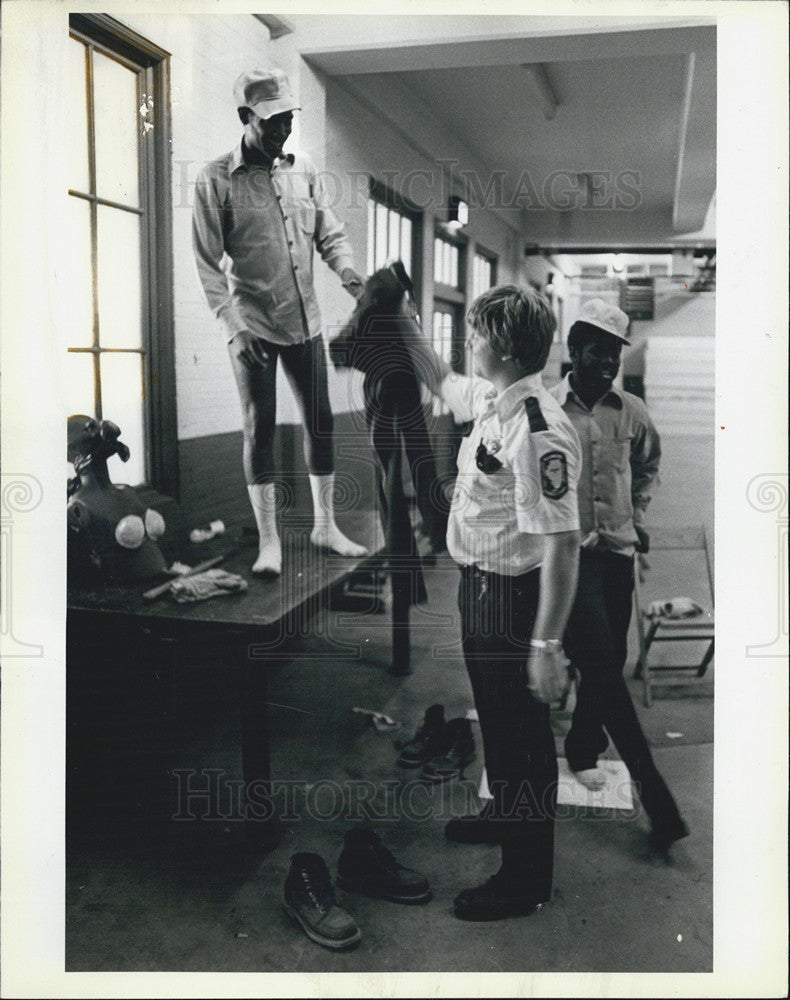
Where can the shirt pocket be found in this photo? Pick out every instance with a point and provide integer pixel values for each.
(617, 451)
(304, 215)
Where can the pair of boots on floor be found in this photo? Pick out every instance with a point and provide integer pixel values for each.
(325, 533)
(366, 867)
(442, 749)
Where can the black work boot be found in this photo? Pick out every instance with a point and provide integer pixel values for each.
(367, 867)
(496, 899)
(310, 899)
(427, 741)
(457, 752)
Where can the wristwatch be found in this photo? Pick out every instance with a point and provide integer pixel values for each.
(544, 643)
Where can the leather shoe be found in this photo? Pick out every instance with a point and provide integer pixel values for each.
(458, 751)
(491, 901)
(310, 899)
(367, 867)
(427, 741)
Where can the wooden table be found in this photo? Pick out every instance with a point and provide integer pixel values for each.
(112, 628)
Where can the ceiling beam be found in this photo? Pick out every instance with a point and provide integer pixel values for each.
(695, 174)
(537, 250)
(277, 25)
(541, 84)
(408, 55)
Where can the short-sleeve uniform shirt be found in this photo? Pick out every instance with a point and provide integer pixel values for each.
(518, 471)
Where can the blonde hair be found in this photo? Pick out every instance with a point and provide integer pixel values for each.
(515, 323)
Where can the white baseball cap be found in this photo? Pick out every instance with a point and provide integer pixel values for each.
(606, 317)
(266, 91)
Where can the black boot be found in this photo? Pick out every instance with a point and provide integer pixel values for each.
(496, 899)
(367, 867)
(310, 899)
(457, 752)
(427, 741)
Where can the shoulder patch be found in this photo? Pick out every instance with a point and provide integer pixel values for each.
(554, 474)
(537, 422)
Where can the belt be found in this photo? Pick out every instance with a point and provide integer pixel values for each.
(475, 572)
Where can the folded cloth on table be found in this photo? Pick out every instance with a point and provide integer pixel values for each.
(211, 583)
(677, 607)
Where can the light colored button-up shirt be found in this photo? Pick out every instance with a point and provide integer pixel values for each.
(621, 452)
(498, 518)
(253, 233)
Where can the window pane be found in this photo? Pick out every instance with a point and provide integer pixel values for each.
(454, 266)
(447, 337)
(78, 118)
(371, 236)
(80, 397)
(405, 243)
(75, 313)
(115, 108)
(393, 247)
(120, 287)
(381, 235)
(122, 402)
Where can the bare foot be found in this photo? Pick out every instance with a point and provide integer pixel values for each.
(593, 778)
(269, 561)
(334, 539)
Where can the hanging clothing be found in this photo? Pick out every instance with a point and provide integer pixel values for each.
(375, 341)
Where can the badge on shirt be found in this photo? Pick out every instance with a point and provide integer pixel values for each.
(554, 474)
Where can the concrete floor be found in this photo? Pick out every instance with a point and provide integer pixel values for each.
(192, 898)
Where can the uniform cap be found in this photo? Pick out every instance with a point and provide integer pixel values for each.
(606, 317)
(266, 91)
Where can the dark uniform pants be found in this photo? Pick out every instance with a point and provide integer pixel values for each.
(497, 615)
(596, 641)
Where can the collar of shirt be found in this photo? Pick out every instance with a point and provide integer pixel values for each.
(509, 400)
(239, 162)
(613, 397)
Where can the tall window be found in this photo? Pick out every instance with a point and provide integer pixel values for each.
(447, 330)
(446, 258)
(391, 230)
(117, 330)
(483, 273)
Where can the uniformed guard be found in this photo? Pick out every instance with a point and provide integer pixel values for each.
(621, 451)
(513, 530)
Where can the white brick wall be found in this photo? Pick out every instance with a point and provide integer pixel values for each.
(208, 53)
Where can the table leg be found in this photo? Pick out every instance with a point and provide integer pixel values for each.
(262, 828)
(401, 602)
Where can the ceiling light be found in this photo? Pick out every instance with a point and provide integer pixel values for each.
(457, 212)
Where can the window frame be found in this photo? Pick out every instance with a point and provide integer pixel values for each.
(491, 258)
(152, 64)
(455, 294)
(380, 194)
